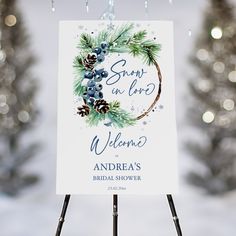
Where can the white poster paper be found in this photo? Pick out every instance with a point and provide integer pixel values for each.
(116, 108)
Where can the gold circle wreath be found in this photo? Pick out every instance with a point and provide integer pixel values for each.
(158, 93)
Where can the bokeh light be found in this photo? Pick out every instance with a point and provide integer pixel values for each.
(216, 33)
(208, 117)
(10, 20)
(232, 76)
(23, 116)
(219, 67)
(228, 104)
(202, 54)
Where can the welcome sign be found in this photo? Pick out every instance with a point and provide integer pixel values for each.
(116, 113)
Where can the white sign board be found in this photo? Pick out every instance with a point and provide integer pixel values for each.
(116, 108)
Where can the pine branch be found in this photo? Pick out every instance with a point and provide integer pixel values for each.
(121, 34)
(23, 111)
(139, 36)
(119, 117)
(147, 49)
(150, 51)
(78, 64)
(120, 41)
(120, 49)
(94, 117)
(102, 36)
(216, 157)
(136, 45)
(79, 89)
(135, 49)
(86, 42)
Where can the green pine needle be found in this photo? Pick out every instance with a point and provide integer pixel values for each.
(114, 105)
(150, 51)
(121, 34)
(102, 37)
(135, 49)
(94, 117)
(119, 117)
(86, 42)
(79, 89)
(147, 49)
(78, 64)
(140, 35)
(120, 40)
(120, 49)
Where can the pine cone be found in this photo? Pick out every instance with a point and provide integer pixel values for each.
(101, 106)
(83, 111)
(90, 60)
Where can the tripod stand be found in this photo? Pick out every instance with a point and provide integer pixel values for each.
(115, 215)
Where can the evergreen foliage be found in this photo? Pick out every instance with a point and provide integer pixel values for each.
(120, 40)
(79, 74)
(214, 59)
(86, 42)
(17, 109)
(119, 117)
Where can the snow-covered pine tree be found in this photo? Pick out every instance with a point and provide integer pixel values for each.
(17, 90)
(214, 97)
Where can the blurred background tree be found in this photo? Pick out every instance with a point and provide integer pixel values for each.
(17, 90)
(214, 91)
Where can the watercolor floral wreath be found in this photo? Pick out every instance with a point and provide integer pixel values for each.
(86, 85)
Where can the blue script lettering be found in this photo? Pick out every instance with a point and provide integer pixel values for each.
(117, 91)
(115, 77)
(147, 91)
(98, 148)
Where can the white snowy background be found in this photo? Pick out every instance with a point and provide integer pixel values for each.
(36, 211)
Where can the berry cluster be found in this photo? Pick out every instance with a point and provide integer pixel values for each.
(94, 88)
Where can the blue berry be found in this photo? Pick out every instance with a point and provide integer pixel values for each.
(97, 50)
(98, 72)
(104, 52)
(85, 96)
(91, 83)
(88, 75)
(100, 58)
(91, 91)
(98, 87)
(98, 78)
(91, 101)
(98, 95)
(104, 45)
(104, 74)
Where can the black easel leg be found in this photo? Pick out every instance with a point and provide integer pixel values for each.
(174, 214)
(115, 215)
(62, 217)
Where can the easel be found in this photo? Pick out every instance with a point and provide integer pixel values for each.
(115, 215)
